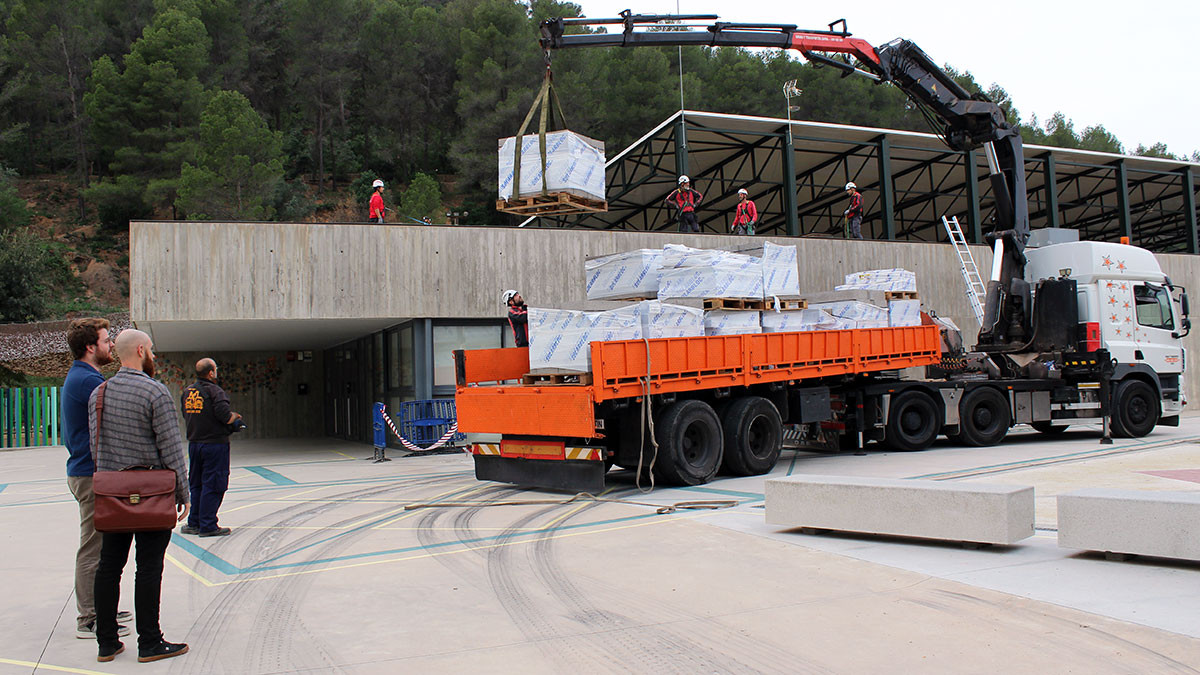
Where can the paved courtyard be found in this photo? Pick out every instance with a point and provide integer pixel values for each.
(328, 571)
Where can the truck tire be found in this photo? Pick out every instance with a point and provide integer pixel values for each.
(914, 420)
(1136, 409)
(753, 433)
(983, 417)
(1048, 428)
(689, 443)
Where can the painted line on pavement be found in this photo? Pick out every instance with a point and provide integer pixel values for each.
(273, 476)
(203, 555)
(369, 522)
(2, 486)
(434, 554)
(46, 666)
(1054, 459)
(189, 571)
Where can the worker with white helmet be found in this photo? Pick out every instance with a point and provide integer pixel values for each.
(685, 200)
(745, 215)
(377, 209)
(518, 316)
(854, 214)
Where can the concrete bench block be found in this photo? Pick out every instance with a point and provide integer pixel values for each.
(1164, 524)
(967, 512)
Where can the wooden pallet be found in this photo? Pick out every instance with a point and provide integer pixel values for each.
(551, 204)
(735, 303)
(786, 305)
(557, 379)
(900, 295)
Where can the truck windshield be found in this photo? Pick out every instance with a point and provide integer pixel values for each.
(1153, 306)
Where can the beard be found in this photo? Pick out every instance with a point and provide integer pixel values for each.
(148, 365)
(104, 359)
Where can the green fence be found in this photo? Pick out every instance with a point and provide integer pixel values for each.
(29, 416)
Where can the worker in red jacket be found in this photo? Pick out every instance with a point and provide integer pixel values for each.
(745, 215)
(854, 214)
(685, 200)
(376, 209)
(518, 317)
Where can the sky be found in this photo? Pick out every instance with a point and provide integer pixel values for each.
(1129, 66)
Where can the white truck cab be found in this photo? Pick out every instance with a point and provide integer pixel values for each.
(1126, 303)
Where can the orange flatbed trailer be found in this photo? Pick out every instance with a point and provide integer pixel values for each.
(539, 421)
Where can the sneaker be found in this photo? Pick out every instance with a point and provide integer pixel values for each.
(88, 632)
(219, 532)
(163, 650)
(107, 655)
(188, 529)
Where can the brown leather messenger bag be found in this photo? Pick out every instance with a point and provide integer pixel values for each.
(134, 499)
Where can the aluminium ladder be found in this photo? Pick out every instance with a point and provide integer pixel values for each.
(976, 291)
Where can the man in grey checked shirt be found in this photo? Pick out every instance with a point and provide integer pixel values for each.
(139, 427)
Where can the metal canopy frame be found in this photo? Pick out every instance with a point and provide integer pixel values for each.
(908, 180)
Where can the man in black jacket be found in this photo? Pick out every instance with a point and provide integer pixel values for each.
(518, 317)
(209, 419)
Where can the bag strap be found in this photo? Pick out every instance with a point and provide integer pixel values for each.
(99, 418)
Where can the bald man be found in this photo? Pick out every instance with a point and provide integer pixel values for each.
(208, 417)
(138, 428)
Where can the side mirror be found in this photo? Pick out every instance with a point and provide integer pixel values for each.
(1183, 304)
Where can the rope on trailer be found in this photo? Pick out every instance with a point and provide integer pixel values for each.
(416, 448)
(711, 504)
(647, 420)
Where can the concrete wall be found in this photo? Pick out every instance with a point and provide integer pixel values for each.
(262, 386)
(192, 271)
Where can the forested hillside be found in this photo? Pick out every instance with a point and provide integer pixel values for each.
(286, 109)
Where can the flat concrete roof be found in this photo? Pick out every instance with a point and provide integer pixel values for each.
(327, 570)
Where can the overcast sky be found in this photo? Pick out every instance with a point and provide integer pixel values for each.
(1129, 65)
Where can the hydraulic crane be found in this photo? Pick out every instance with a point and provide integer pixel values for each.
(963, 120)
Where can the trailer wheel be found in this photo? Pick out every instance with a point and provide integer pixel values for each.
(1048, 428)
(753, 434)
(913, 421)
(689, 443)
(1136, 410)
(984, 417)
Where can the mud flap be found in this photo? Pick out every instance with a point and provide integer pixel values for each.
(566, 475)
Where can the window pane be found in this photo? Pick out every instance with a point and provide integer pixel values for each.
(446, 339)
(377, 363)
(393, 359)
(400, 358)
(1153, 306)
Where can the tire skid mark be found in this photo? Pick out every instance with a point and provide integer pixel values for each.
(277, 628)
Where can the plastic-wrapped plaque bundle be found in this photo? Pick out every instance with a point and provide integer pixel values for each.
(690, 273)
(624, 275)
(804, 319)
(904, 313)
(732, 322)
(574, 164)
(881, 280)
(561, 339)
(859, 312)
(662, 320)
(780, 273)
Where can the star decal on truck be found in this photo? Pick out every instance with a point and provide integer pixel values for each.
(1106, 262)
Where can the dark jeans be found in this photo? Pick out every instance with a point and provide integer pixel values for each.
(688, 222)
(856, 227)
(147, 586)
(208, 476)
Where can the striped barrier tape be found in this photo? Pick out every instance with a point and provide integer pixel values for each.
(387, 417)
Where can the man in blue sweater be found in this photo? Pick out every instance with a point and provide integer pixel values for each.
(92, 348)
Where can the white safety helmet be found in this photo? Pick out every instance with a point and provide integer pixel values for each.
(506, 296)
(851, 186)
(684, 179)
(377, 183)
(743, 192)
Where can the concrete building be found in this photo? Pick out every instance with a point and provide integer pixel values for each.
(311, 323)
